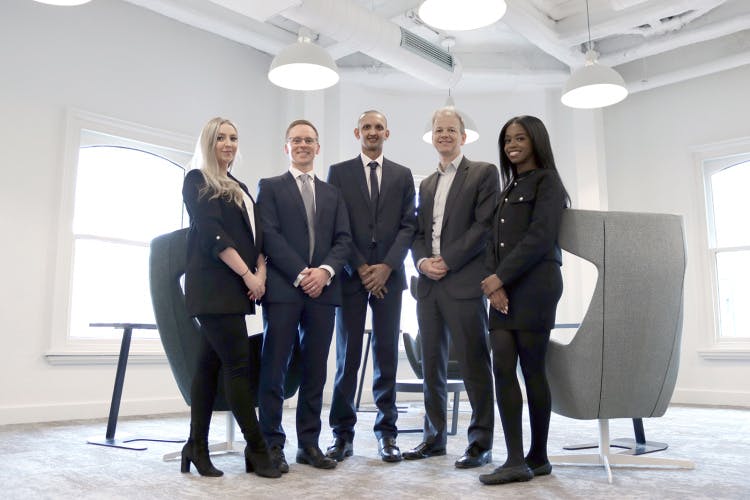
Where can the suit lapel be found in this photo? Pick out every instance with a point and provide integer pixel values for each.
(292, 191)
(386, 181)
(358, 176)
(427, 190)
(458, 181)
(245, 216)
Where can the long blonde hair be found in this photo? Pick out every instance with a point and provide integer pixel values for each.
(217, 185)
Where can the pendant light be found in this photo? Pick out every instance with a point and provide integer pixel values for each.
(303, 66)
(65, 3)
(452, 15)
(472, 135)
(593, 85)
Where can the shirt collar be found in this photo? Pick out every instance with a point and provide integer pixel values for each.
(296, 172)
(366, 159)
(452, 166)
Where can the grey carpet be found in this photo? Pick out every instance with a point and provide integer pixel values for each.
(53, 461)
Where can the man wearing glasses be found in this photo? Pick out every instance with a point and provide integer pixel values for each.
(306, 240)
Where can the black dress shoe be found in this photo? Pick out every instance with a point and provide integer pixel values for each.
(388, 450)
(340, 449)
(278, 458)
(474, 456)
(503, 475)
(424, 450)
(311, 455)
(540, 470)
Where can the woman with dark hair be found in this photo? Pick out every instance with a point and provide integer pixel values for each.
(224, 277)
(524, 290)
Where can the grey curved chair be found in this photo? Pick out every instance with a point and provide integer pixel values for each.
(180, 334)
(623, 360)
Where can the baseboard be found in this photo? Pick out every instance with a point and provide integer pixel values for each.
(22, 414)
(711, 397)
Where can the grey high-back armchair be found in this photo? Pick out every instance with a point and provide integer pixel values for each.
(623, 360)
(180, 334)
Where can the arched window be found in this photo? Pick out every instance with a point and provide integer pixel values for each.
(120, 185)
(728, 202)
(124, 197)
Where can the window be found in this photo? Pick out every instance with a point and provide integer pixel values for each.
(727, 205)
(409, 305)
(122, 187)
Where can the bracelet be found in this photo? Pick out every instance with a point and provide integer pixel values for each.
(243, 274)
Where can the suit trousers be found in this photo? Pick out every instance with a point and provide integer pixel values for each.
(350, 326)
(464, 321)
(313, 322)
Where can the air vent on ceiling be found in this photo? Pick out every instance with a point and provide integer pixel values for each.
(426, 49)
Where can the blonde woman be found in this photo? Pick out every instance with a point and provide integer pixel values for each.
(224, 277)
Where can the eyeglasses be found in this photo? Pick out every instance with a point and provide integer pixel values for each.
(299, 140)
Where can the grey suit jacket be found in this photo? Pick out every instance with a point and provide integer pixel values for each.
(395, 223)
(469, 207)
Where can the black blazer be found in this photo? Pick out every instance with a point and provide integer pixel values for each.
(286, 241)
(211, 287)
(469, 207)
(396, 220)
(527, 224)
(524, 252)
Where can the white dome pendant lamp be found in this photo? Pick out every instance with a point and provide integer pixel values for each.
(303, 66)
(593, 85)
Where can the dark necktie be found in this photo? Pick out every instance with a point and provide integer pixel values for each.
(374, 193)
(373, 182)
(309, 201)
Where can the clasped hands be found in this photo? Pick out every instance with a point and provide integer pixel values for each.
(256, 285)
(374, 277)
(313, 281)
(434, 268)
(492, 287)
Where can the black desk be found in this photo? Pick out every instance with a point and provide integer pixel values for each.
(114, 408)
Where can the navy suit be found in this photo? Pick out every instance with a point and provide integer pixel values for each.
(454, 305)
(287, 310)
(386, 238)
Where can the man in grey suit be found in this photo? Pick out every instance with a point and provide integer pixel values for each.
(456, 205)
(379, 197)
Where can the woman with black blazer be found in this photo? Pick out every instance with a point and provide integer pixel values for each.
(524, 290)
(224, 277)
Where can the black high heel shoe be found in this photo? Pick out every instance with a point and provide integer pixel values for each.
(259, 461)
(197, 453)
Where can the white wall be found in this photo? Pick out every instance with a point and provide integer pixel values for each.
(650, 139)
(114, 59)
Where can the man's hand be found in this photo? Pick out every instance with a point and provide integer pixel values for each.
(376, 277)
(490, 284)
(434, 268)
(315, 279)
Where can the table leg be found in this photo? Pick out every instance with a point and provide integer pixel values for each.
(114, 407)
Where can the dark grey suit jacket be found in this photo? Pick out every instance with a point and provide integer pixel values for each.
(286, 241)
(469, 207)
(396, 218)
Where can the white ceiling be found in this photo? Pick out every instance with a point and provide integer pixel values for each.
(537, 43)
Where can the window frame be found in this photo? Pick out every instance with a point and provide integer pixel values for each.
(708, 160)
(64, 349)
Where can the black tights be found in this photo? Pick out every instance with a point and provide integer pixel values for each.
(508, 346)
(224, 343)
